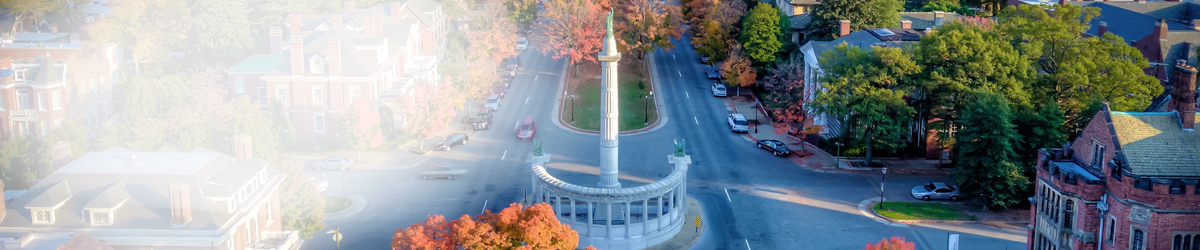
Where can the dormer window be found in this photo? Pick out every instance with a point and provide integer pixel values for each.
(101, 218)
(43, 216)
(20, 74)
(316, 65)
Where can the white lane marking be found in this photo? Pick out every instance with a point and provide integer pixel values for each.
(727, 195)
(516, 125)
(697, 120)
(673, 56)
(686, 94)
(535, 77)
(680, 73)
(747, 244)
(503, 155)
(526, 100)
(485, 209)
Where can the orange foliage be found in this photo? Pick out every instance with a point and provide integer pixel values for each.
(432, 234)
(515, 227)
(895, 243)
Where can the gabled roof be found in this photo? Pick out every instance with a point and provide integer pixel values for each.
(51, 196)
(894, 38)
(429, 12)
(1155, 145)
(924, 20)
(111, 197)
(1136, 21)
(800, 22)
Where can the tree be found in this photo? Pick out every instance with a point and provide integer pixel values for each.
(515, 227)
(24, 11)
(716, 33)
(986, 165)
(520, 11)
(862, 14)
(946, 6)
(301, 205)
(23, 159)
(863, 91)
(784, 83)
(73, 134)
(275, 12)
(282, 124)
(360, 129)
(250, 119)
(737, 70)
(492, 34)
(427, 111)
(573, 29)
(760, 33)
(645, 25)
(895, 243)
(220, 31)
(959, 59)
(1038, 127)
(201, 121)
(1074, 71)
(151, 29)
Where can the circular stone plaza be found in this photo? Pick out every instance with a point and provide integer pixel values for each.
(605, 214)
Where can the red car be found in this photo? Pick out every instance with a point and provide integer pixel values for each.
(499, 90)
(527, 129)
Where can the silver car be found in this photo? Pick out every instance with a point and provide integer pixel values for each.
(336, 162)
(442, 171)
(493, 102)
(522, 43)
(718, 90)
(935, 190)
(738, 123)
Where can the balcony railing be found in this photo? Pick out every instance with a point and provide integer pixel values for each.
(279, 240)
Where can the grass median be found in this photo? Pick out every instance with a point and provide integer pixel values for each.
(334, 204)
(922, 211)
(636, 111)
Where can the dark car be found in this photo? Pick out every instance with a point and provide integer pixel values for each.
(704, 59)
(453, 140)
(512, 63)
(483, 120)
(776, 147)
(713, 73)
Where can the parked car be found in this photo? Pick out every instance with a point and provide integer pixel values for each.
(512, 63)
(522, 43)
(483, 120)
(336, 162)
(935, 190)
(493, 102)
(776, 147)
(703, 59)
(442, 171)
(320, 183)
(718, 89)
(738, 123)
(500, 90)
(713, 73)
(452, 140)
(527, 129)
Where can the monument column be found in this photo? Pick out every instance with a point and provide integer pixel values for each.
(609, 110)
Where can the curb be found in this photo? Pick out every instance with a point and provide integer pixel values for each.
(802, 164)
(659, 122)
(360, 203)
(871, 210)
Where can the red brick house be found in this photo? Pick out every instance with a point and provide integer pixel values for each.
(48, 79)
(1129, 181)
(328, 61)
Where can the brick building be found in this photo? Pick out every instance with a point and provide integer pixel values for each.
(49, 79)
(1129, 181)
(328, 61)
(168, 199)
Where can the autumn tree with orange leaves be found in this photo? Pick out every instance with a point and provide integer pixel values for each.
(784, 83)
(573, 29)
(515, 227)
(895, 243)
(738, 70)
(645, 25)
(715, 31)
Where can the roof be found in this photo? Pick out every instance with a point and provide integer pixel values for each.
(428, 11)
(139, 192)
(924, 20)
(865, 39)
(1076, 170)
(1133, 21)
(258, 62)
(800, 21)
(799, 2)
(1154, 144)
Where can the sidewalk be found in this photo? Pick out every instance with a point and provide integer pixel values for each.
(815, 159)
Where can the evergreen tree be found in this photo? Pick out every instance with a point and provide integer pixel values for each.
(986, 165)
(301, 205)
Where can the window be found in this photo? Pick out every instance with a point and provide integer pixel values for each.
(1177, 187)
(354, 94)
(1186, 241)
(268, 208)
(281, 94)
(262, 95)
(82, 90)
(318, 95)
(104, 108)
(87, 114)
(101, 218)
(95, 90)
(20, 74)
(1137, 239)
(316, 65)
(239, 85)
(56, 99)
(1097, 154)
(319, 123)
(42, 105)
(1068, 213)
(42, 217)
(102, 86)
(1108, 233)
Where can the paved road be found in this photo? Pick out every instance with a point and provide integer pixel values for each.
(751, 200)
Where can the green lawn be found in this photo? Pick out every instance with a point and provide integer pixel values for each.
(333, 204)
(632, 103)
(921, 211)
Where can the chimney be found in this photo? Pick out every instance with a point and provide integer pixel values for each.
(395, 9)
(1102, 29)
(181, 203)
(293, 24)
(54, 30)
(906, 24)
(1160, 29)
(334, 62)
(276, 40)
(1183, 94)
(296, 49)
(938, 18)
(348, 6)
(243, 147)
(843, 28)
(335, 21)
(1196, 24)
(369, 25)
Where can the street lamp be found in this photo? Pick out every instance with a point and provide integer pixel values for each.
(646, 110)
(839, 151)
(881, 184)
(756, 122)
(572, 108)
(337, 237)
